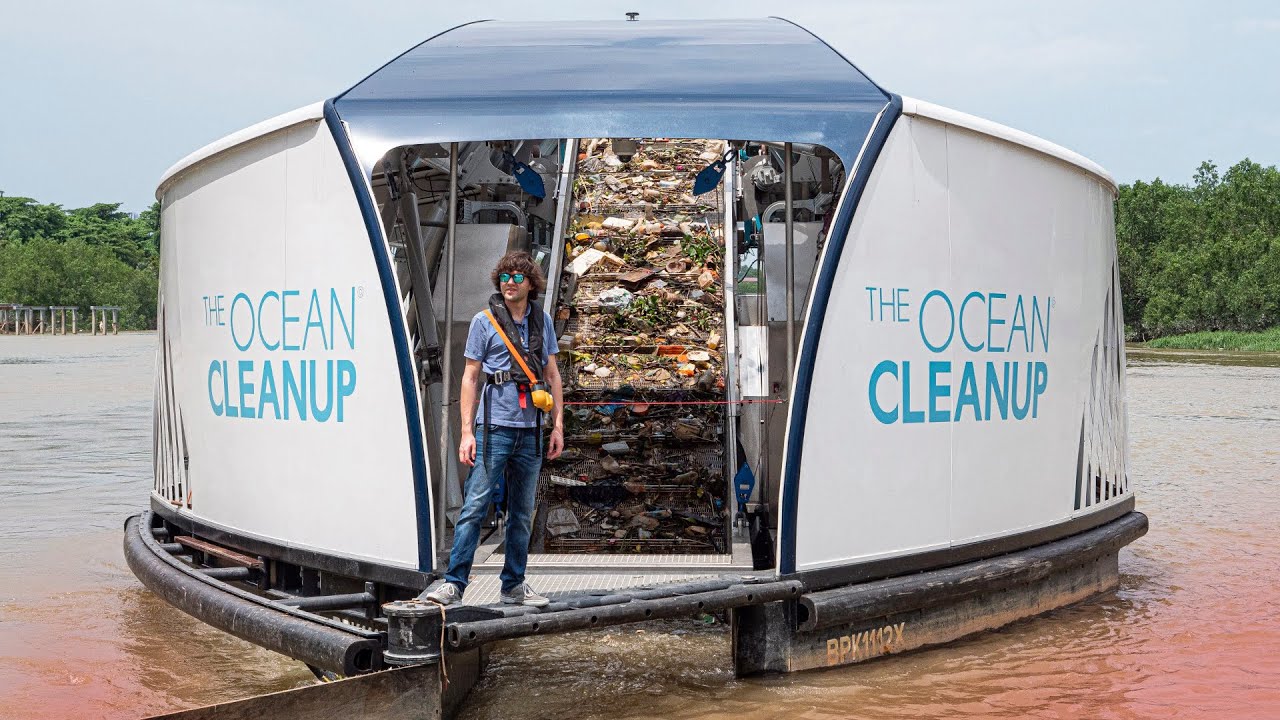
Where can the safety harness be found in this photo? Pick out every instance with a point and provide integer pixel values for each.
(527, 374)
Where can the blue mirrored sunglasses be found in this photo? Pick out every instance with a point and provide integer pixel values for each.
(508, 277)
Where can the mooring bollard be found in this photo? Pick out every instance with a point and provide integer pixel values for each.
(413, 632)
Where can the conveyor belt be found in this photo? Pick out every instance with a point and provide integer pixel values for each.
(648, 325)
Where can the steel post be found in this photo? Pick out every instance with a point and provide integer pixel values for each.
(791, 267)
(446, 387)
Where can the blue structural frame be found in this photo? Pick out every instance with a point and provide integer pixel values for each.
(766, 79)
(404, 355)
(813, 332)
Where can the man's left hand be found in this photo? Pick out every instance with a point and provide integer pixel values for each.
(556, 446)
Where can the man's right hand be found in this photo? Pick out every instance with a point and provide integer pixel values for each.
(467, 449)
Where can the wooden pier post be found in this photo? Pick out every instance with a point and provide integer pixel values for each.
(18, 319)
(58, 317)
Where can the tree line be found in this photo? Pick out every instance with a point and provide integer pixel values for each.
(1196, 257)
(96, 255)
(1204, 256)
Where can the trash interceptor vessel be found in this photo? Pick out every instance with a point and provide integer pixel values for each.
(846, 365)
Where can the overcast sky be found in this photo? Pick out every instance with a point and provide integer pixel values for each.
(99, 98)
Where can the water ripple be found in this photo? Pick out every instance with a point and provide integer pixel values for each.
(1192, 630)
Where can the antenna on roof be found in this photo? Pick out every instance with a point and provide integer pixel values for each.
(633, 16)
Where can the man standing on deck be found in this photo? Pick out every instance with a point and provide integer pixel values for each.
(507, 441)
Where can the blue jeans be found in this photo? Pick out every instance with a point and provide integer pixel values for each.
(513, 452)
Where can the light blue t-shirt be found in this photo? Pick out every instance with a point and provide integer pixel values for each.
(484, 344)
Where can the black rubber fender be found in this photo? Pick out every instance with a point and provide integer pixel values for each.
(246, 616)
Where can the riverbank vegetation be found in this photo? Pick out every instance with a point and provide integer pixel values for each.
(1261, 341)
(1201, 258)
(95, 255)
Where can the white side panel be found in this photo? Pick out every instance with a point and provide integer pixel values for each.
(266, 269)
(869, 489)
(970, 259)
(314, 111)
(1025, 227)
(987, 128)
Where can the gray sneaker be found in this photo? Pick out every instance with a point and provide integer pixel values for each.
(446, 594)
(524, 595)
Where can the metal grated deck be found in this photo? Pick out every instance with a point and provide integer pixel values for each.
(619, 561)
(485, 587)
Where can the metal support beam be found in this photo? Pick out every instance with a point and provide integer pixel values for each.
(564, 195)
(791, 267)
(318, 603)
(728, 343)
(446, 389)
(227, 573)
(464, 636)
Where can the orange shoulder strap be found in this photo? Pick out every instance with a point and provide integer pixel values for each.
(519, 358)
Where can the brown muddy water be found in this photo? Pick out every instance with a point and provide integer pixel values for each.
(1193, 630)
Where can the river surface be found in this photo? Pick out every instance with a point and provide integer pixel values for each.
(1193, 630)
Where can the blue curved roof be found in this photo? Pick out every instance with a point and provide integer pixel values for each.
(765, 79)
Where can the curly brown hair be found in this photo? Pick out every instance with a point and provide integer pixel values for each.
(520, 262)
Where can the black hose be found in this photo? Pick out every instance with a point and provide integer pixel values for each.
(467, 635)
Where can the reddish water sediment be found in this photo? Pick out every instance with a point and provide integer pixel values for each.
(1192, 631)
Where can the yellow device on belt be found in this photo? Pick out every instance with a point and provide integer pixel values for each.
(541, 398)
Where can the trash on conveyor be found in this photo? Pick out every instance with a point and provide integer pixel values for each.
(642, 306)
(561, 521)
(615, 299)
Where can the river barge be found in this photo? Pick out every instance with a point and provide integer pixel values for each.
(845, 365)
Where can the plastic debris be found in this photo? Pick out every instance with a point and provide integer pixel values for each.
(583, 262)
(634, 279)
(642, 303)
(646, 522)
(562, 521)
(614, 223)
(615, 299)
